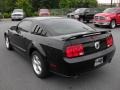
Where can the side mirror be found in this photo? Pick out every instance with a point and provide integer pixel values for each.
(13, 28)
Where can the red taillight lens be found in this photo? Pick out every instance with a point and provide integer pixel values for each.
(74, 51)
(109, 41)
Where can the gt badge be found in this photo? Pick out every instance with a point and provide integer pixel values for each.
(97, 45)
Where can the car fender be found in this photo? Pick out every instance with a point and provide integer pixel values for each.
(36, 46)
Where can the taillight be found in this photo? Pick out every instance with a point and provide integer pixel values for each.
(109, 41)
(74, 51)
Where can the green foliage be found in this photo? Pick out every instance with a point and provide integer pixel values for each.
(6, 15)
(6, 5)
(31, 7)
(25, 5)
(77, 3)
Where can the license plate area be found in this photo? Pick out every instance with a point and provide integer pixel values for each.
(98, 61)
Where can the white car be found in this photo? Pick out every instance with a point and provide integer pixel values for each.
(17, 14)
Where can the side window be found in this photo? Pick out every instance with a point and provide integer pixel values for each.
(25, 26)
(91, 10)
(87, 11)
(41, 30)
(118, 11)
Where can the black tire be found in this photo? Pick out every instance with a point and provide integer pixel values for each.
(12, 19)
(112, 24)
(7, 43)
(96, 25)
(88, 21)
(40, 66)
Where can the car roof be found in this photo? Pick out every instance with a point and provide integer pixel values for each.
(42, 18)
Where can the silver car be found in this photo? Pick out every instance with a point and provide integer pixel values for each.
(17, 14)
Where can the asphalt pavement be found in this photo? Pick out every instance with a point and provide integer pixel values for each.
(16, 72)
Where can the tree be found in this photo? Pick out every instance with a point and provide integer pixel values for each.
(45, 4)
(25, 5)
(77, 3)
(7, 5)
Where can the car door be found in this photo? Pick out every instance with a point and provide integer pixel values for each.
(25, 29)
(87, 14)
(21, 35)
(13, 35)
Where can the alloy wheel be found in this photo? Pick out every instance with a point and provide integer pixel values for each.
(36, 64)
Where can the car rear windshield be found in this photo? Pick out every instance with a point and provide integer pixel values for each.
(66, 26)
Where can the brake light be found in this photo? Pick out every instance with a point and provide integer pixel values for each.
(74, 51)
(109, 41)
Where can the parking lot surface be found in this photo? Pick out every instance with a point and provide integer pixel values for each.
(16, 72)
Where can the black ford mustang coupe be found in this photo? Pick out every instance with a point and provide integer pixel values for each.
(60, 45)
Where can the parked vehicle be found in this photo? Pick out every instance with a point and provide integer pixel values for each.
(110, 17)
(17, 14)
(64, 46)
(83, 14)
(44, 12)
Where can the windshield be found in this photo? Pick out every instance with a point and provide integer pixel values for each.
(18, 10)
(110, 10)
(80, 10)
(66, 26)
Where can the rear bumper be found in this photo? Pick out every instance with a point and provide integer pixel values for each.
(82, 64)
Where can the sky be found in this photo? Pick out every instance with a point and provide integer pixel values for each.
(107, 1)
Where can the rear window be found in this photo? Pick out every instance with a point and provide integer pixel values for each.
(111, 10)
(44, 10)
(65, 26)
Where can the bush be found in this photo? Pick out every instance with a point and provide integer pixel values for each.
(34, 14)
(6, 15)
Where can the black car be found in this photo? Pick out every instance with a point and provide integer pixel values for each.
(60, 45)
(83, 14)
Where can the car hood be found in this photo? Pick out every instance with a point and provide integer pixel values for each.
(105, 14)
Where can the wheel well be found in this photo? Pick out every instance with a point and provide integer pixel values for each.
(32, 50)
(113, 19)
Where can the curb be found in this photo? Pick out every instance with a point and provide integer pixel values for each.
(8, 19)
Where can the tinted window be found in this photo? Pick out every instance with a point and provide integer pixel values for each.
(26, 26)
(66, 26)
(80, 10)
(39, 30)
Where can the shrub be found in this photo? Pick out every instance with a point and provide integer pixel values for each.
(6, 15)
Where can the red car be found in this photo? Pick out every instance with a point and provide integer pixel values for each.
(44, 12)
(110, 17)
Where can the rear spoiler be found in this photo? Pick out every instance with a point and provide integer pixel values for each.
(86, 35)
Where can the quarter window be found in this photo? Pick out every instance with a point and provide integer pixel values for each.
(25, 26)
(40, 30)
